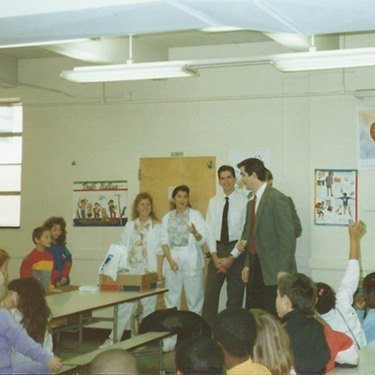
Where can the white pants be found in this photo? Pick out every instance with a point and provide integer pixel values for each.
(193, 287)
(126, 310)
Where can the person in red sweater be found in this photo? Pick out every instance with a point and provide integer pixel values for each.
(39, 263)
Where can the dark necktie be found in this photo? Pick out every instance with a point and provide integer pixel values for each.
(224, 235)
(252, 226)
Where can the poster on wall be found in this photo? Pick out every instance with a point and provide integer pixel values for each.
(335, 196)
(100, 203)
(366, 138)
(236, 157)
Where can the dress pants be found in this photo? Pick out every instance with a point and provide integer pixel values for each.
(215, 280)
(259, 295)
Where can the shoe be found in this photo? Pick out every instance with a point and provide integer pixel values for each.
(106, 344)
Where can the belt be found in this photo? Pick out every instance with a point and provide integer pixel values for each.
(226, 243)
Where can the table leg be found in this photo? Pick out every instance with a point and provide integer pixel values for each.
(80, 331)
(115, 314)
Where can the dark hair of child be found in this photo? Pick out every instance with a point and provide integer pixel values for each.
(326, 298)
(300, 290)
(54, 220)
(368, 287)
(38, 232)
(33, 307)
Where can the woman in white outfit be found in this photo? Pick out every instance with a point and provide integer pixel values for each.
(182, 237)
(141, 236)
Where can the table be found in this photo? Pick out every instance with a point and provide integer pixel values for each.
(77, 303)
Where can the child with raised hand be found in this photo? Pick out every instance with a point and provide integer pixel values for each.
(28, 306)
(13, 335)
(336, 308)
(39, 262)
(61, 255)
(367, 312)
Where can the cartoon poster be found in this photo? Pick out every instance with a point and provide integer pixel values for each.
(366, 138)
(335, 196)
(99, 203)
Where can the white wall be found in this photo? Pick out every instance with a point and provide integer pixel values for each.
(307, 120)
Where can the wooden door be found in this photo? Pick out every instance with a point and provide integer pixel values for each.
(158, 176)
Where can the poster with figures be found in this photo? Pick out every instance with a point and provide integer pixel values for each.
(99, 203)
(335, 196)
(366, 137)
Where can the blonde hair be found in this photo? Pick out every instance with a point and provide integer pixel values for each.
(272, 345)
(138, 198)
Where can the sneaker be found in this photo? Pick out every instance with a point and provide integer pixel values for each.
(106, 344)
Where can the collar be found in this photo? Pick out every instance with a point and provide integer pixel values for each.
(260, 191)
(230, 196)
(297, 313)
(138, 222)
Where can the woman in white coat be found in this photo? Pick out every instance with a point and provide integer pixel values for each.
(183, 235)
(142, 236)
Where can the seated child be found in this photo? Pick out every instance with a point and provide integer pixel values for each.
(235, 330)
(367, 312)
(272, 344)
(39, 263)
(336, 308)
(28, 306)
(296, 296)
(61, 255)
(199, 355)
(4, 259)
(13, 335)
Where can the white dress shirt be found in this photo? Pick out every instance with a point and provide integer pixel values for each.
(259, 194)
(236, 217)
(343, 318)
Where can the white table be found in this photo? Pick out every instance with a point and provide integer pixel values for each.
(366, 363)
(77, 303)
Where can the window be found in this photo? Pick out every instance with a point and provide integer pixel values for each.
(10, 164)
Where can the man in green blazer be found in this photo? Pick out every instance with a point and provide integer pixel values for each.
(270, 237)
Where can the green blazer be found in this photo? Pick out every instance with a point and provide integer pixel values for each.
(274, 235)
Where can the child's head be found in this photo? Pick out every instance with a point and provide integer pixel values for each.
(295, 291)
(272, 345)
(57, 226)
(42, 236)
(28, 296)
(368, 287)
(235, 330)
(326, 298)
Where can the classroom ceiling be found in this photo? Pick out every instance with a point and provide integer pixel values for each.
(158, 25)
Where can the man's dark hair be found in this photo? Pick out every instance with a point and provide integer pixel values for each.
(226, 168)
(38, 232)
(300, 290)
(326, 298)
(269, 175)
(199, 355)
(254, 165)
(235, 329)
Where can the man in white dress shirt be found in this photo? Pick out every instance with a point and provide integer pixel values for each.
(225, 219)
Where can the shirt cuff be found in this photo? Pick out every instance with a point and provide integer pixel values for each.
(236, 253)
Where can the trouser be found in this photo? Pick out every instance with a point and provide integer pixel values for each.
(126, 310)
(193, 288)
(259, 295)
(215, 280)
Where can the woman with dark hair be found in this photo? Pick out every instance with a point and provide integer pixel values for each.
(141, 237)
(28, 306)
(184, 234)
(61, 255)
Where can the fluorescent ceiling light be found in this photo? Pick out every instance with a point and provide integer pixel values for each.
(129, 72)
(349, 58)
(221, 29)
(44, 43)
